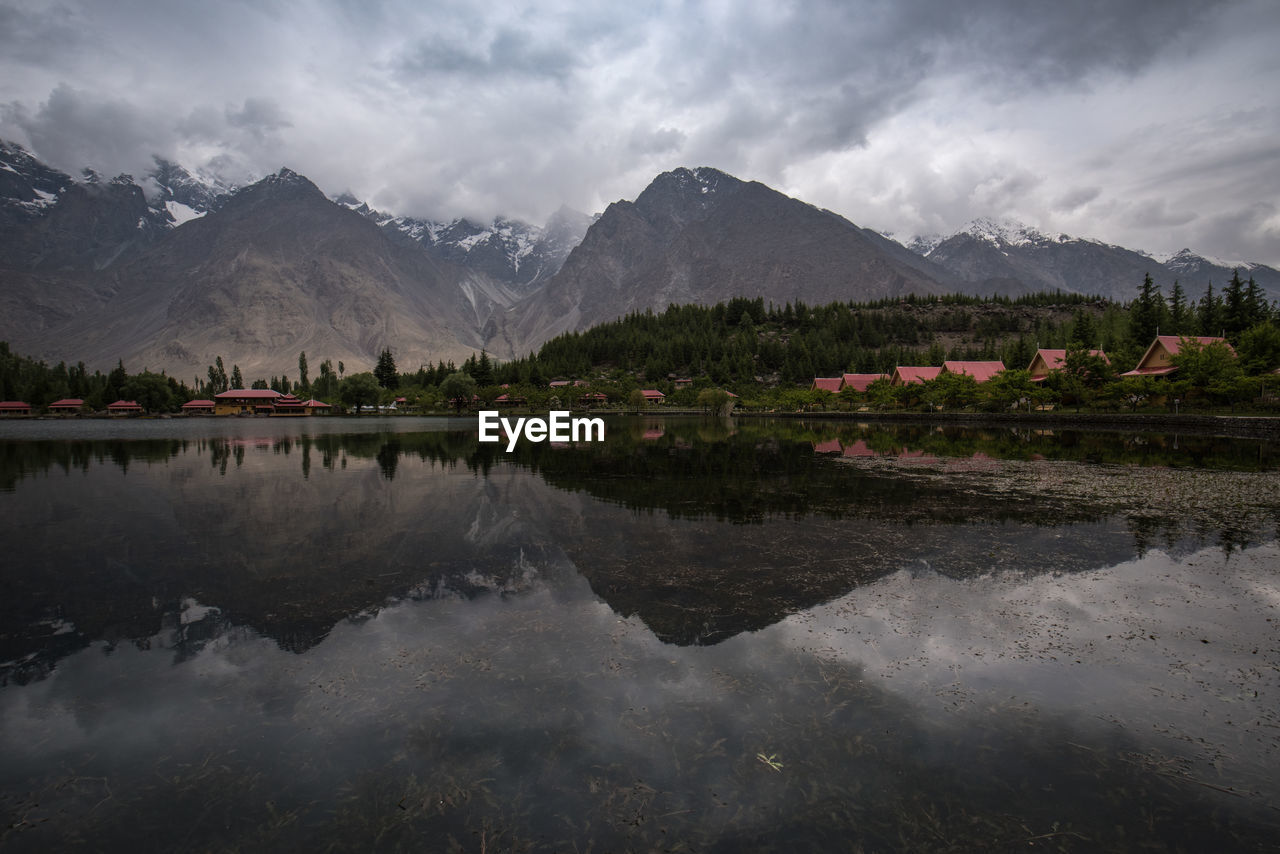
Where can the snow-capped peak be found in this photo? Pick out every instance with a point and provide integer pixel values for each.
(1009, 232)
(923, 244)
(1185, 259)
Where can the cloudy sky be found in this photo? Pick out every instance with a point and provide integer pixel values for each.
(1151, 124)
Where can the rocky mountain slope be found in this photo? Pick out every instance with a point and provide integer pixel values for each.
(1013, 258)
(97, 270)
(172, 270)
(278, 269)
(701, 236)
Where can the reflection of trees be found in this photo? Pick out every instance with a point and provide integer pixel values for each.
(19, 460)
(808, 525)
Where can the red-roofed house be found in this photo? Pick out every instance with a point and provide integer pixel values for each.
(831, 384)
(860, 382)
(652, 395)
(316, 407)
(980, 371)
(1158, 360)
(124, 407)
(288, 405)
(66, 406)
(593, 399)
(14, 408)
(905, 375)
(241, 401)
(198, 407)
(508, 400)
(1046, 361)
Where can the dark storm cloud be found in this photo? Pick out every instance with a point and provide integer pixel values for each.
(1077, 198)
(1155, 213)
(508, 52)
(917, 114)
(1247, 232)
(258, 116)
(1058, 43)
(74, 129)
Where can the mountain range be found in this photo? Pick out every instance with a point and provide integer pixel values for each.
(172, 270)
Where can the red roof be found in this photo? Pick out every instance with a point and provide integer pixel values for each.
(316, 404)
(860, 382)
(1053, 359)
(68, 403)
(980, 371)
(249, 394)
(124, 404)
(14, 405)
(652, 394)
(831, 384)
(1173, 343)
(198, 404)
(910, 374)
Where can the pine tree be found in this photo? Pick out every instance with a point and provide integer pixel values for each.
(1146, 313)
(1209, 312)
(1180, 319)
(1235, 311)
(302, 369)
(1084, 334)
(1255, 304)
(237, 379)
(483, 372)
(385, 372)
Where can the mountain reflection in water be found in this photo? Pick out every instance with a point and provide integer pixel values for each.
(358, 638)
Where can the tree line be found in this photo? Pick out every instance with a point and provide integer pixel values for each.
(758, 349)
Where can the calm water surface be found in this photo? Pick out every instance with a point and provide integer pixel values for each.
(697, 636)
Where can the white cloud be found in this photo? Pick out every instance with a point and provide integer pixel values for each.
(908, 116)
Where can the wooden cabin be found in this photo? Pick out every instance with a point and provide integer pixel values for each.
(1158, 360)
(1046, 362)
(980, 371)
(831, 384)
(67, 406)
(906, 374)
(124, 407)
(860, 382)
(246, 401)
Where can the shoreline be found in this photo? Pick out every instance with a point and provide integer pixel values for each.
(1232, 426)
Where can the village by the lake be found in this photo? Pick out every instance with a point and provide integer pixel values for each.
(946, 606)
(658, 428)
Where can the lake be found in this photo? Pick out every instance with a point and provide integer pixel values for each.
(697, 635)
